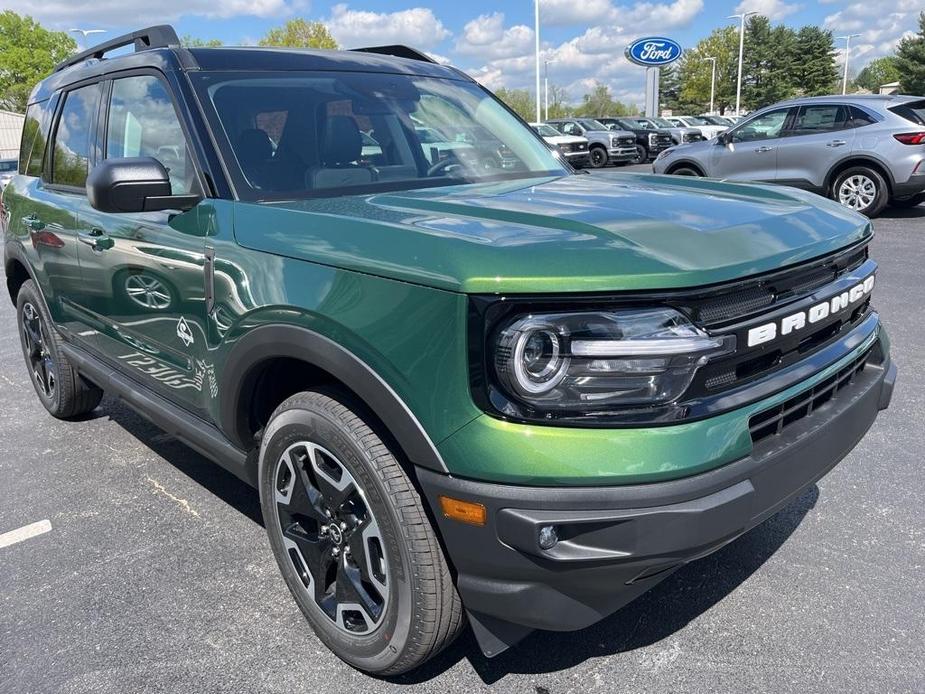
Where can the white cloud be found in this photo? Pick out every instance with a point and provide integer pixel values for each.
(108, 13)
(880, 31)
(418, 27)
(564, 12)
(772, 9)
(486, 37)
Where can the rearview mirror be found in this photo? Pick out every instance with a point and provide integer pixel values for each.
(134, 184)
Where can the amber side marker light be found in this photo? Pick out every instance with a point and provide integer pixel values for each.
(463, 511)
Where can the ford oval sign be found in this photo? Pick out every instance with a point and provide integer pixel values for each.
(653, 51)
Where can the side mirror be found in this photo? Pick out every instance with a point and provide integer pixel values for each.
(134, 184)
(723, 138)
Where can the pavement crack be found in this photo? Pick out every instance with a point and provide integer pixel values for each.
(183, 503)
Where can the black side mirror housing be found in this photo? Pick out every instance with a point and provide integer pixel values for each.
(134, 184)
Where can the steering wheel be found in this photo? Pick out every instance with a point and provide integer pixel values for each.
(443, 165)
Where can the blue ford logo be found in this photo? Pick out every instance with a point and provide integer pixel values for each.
(653, 51)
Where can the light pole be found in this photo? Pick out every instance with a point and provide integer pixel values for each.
(536, 36)
(546, 88)
(742, 17)
(844, 83)
(712, 82)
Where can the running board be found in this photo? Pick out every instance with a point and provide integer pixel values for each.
(199, 435)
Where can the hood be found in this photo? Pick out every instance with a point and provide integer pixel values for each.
(577, 233)
(565, 139)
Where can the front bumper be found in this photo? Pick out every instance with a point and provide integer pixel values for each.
(577, 158)
(621, 153)
(617, 542)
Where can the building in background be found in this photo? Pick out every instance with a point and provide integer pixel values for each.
(10, 134)
(889, 88)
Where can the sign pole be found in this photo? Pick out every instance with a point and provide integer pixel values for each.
(652, 80)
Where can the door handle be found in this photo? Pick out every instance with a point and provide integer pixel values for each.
(97, 239)
(836, 143)
(764, 148)
(33, 223)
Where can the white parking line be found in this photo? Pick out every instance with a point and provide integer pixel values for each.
(24, 533)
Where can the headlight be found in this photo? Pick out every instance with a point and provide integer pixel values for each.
(653, 139)
(664, 153)
(601, 361)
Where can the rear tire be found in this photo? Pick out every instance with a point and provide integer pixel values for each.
(861, 189)
(60, 388)
(352, 539)
(598, 157)
(908, 202)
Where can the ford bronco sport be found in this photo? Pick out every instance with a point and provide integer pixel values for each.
(468, 383)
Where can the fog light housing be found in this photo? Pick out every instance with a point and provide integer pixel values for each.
(548, 537)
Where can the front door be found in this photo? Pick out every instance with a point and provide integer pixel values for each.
(143, 293)
(750, 154)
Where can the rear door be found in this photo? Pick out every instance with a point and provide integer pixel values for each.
(815, 139)
(46, 216)
(143, 290)
(751, 152)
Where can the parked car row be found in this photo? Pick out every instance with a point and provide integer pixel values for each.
(865, 152)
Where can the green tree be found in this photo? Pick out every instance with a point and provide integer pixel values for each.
(767, 69)
(558, 102)
(520, 101)
(298, 33)
(600, 102)
(695, 72)
(814, 70)
(188, 41)
(669, 88)
(28, 53)
(910, 61)
(878, 72)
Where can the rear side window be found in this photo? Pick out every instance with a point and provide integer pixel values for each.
(912, 111)
(71, 154)
(859, 118)
(35, 136)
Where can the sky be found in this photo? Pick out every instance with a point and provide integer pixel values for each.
(493, 40)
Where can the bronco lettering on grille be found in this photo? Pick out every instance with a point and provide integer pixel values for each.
(797, 321)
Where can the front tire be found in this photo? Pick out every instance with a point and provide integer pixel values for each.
(352, 539)
(642, 155)
(686, 171)
(60, 388)
(861, 189)
(598, 157)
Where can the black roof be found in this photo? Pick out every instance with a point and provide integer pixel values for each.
(166, 56)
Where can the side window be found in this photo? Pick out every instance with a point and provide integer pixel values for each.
(143, 123)
(35, 136)
(815, 120)
(571, 129)
(763, 127)
(73, 134)
(858, 118)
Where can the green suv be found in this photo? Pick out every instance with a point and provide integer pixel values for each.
(469, 383)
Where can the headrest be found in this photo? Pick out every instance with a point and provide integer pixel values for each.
(254, 146)
(342, 143)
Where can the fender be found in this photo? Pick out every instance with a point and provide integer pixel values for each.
(270, 341)
(859, 159)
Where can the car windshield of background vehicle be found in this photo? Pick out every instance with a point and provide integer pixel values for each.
(913, 111)
(694, 120)
(546, 130)
(323, 134)
(661, 123)
(591, 124)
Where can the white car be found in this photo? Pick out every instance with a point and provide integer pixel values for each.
(572, 147)
(709, 131)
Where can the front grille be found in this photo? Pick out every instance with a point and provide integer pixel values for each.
(773, 421)
(626, 141)
(663, 139)
(694, 137)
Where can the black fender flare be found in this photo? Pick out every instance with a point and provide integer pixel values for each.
(281, 340)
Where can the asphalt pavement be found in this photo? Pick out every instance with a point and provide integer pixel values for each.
(149, 570)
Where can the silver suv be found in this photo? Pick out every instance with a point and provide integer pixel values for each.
(863, 151)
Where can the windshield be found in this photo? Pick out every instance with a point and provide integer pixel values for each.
(694, 120)
(322, 134)
(546, 130)
(715, 120)
(591, 124)
(662, 123)
(645, 124)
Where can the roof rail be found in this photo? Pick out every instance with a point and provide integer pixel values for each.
(160, 36)
(398, 51)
